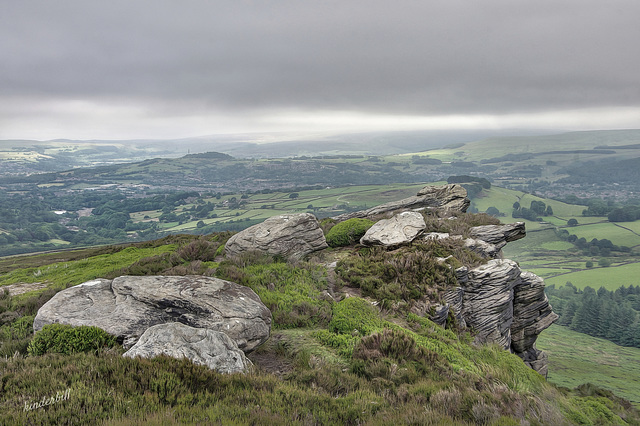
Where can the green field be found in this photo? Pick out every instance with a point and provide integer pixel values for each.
(575, 358)
(610, 278)
(503, 199)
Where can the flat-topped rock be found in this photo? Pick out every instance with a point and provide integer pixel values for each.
(127, 306)
(447, 197)
(401, 229)
(291, 236)
(202, 346)
(499, 235)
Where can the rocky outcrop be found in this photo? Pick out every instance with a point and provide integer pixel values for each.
(484, 249)
(499, 235)
(532, 314)
(505, 305)
(487, 300)
(127, 306)
(447, 197)
(401, 229)
(291, 236)
(202, 346)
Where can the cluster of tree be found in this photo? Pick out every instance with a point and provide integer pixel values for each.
(611, 315)
(595, 247)
(615, 212)
(534, 212)
(493, 211)
(624, 214)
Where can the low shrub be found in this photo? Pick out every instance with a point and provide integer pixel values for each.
(406, 274)
(355, 316)
(65, 339)
(348, 232)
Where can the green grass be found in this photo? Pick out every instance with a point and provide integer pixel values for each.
(503, 199)
(597, 361)
(610, 278)
(62, 274)
(616, 234)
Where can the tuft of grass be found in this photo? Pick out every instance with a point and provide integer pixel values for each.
(348, 232)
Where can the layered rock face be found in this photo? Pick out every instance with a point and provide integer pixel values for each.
(505, 305)
(532, 313)
(291, 236)
(202, 346)
(499, 235)
(447, 197)
(487, 300)
(127, 306)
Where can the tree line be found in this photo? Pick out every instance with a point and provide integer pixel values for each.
(611, 315)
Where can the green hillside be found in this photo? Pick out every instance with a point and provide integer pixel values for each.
(597, 361)
(314, 369)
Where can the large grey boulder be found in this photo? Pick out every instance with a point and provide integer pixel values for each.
(127, 306)
(200, 345)
(499, 235)
(290, 236)
(532, 314)
(401, 229)
(447, 197)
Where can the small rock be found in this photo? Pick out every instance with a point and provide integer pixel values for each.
(401, 229)
(202, 346)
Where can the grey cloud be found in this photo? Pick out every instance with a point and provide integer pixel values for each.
(389, 57)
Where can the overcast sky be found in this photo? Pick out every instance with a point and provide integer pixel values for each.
(160, 69)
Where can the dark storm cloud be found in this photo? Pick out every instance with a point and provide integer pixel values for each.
(382, 57)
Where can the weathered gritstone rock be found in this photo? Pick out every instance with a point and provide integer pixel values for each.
(127, 306)
(439, 314)
(400, 229)
(499, 235)
(450, 197)
(482, 248)
(437, 236)
(291, 236)
(453, 297)
(446, 197)
(532, 314)
(200, 345)
(487, 300)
